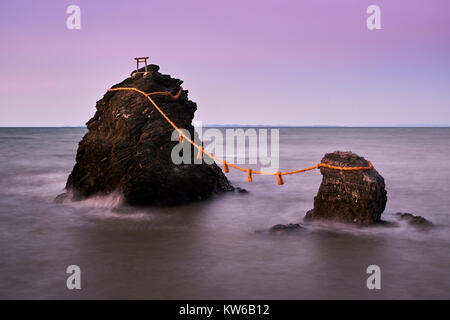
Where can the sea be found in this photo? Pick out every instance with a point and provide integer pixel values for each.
(214, 249)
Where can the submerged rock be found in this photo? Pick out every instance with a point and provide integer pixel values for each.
(413, 220)
(349, 196)
(128, 147)
(240, 190)
(61, 198)
(386, 224)
(282, 228)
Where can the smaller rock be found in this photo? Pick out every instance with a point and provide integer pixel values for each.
(414, 220)
(240, 190)
(286, 227)
(309, 215)
(357, 197)
(61, 198)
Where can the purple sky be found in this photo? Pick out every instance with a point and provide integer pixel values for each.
(273, 62)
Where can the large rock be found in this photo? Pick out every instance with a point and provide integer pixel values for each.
(128, 148)
(349, 196)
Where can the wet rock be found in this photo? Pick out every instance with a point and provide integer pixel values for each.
(128, 148)
(61, 198)
(413, 220)
(240, 190)
(386, 224)
(309, 215)
(285, 228)
(349, 196)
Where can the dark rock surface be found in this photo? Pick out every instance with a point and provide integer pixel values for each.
(282, 228)
(413, 220)
(240, 190)
(61, 198)
(128, 148)
(349, 196)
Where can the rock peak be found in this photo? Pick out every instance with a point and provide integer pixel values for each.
(152, 68)
(344, 159)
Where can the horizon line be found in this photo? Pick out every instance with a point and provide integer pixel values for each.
(273, 126)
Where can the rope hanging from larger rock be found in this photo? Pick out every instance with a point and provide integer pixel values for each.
(202, 151)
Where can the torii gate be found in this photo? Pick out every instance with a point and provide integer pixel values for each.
(138, 61)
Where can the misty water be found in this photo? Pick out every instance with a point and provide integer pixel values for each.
(209, 249)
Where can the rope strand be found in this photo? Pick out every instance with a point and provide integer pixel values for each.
(226, 165)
